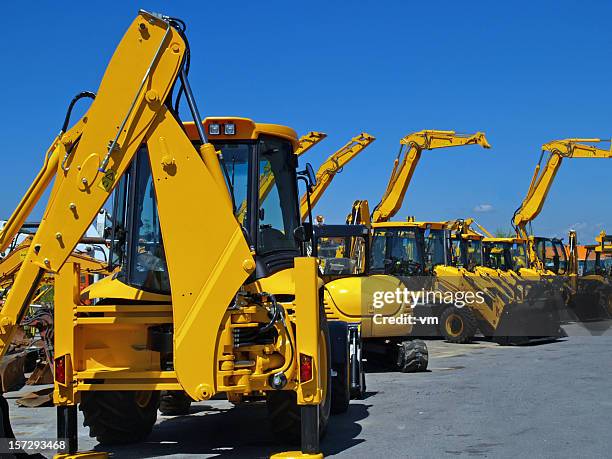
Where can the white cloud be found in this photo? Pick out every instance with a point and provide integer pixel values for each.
(578, 226)
(483, 208)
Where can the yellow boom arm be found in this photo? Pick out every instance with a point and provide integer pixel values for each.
(332, 166)
(543, 177)
(129, 113)
(11, 264)
(360, 213)
(412, 146)
(308, 141)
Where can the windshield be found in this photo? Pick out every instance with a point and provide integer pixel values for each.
(435, 249)
(467, 253)
(341, 255)
(552, 253)
(518, 253)
(278, 210)
(136, 230)
(236, 161)
(396, 251)
(496, 255)
(137, 239)
(505, 255)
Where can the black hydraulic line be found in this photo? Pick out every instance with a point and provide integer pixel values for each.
(79, 96)
(193, 108)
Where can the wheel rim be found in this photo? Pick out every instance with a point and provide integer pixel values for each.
(454, 325)
(142, 398)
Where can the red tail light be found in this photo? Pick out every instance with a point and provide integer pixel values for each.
(305, 368)
(60, 369)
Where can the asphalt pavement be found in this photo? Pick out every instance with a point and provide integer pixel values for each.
(476, 400)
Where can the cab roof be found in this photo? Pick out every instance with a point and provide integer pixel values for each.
(410, 224)
(245, 129)
(510, 240)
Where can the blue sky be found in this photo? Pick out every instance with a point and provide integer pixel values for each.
(523, 72)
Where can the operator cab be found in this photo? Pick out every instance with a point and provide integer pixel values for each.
(466, 251)
(259, 166)
(552, 253)
(397, 250)
(505, 254)
(342, 250)
(598, 258)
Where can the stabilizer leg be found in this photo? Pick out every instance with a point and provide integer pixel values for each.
(67, 427)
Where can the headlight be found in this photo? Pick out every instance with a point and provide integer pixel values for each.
(229, 129)
(214, 129)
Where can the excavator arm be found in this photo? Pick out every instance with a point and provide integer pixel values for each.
(89, 167)
(543, 178)
(308, 141)
(54, 157)
(11, 264)
(360, 213)
(128, 113)
(411, 147)
(332, 166)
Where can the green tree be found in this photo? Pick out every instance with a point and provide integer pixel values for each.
(501, 232)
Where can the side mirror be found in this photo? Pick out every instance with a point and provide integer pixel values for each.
(303, 233)
(300, 234)
(309, 174)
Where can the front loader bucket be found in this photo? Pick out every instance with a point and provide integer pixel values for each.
(529, 321)
(591, 302)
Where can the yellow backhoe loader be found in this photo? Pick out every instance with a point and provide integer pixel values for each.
(590, 279)
(202, 302)
(520, 306)
(546, 253)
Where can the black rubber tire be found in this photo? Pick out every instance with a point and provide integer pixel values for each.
(284, 414)
(359, 393)
(119, 417)
(174, 403)
(341, 390)
(341, 386)
(412, 356)
(458, 325)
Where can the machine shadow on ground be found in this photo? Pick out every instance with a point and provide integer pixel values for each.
(234, 432)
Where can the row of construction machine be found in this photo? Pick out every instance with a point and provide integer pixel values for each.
(549, 253)
(442, 257)
(521, 306)
(582, 300)
(372, 259)
(240, 313)
(535, 269)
